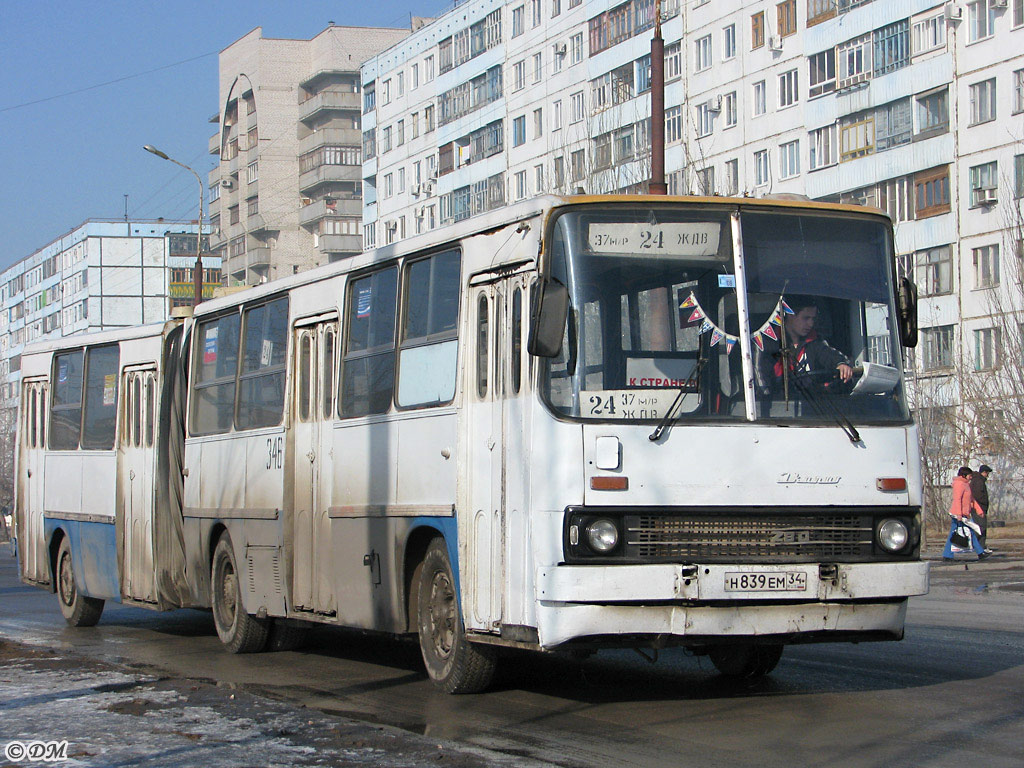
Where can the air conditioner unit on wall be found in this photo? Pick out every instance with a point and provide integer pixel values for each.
(715, 104)
(560, 49)
(775, 42)
(985, 195)
(227, 183)
(999, 3)
(953, 12)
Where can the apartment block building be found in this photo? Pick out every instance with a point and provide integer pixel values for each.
(916, 107)
(286, 194)
(98, 276)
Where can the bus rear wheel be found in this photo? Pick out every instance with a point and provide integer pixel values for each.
(78, 610)
(745, 660)
(453, 663)
(240, 632)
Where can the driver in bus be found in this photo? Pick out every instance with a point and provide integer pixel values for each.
(806, 353)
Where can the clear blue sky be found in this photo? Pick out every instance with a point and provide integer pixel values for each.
(77, 151)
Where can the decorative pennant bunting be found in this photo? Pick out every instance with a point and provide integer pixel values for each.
(717, 334)
(770, 332)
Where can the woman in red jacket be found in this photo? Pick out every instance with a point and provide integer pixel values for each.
(960, 511)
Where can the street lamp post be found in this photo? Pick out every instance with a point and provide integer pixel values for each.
(197, 270)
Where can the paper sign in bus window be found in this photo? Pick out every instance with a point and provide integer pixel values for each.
(363, 301)
(672, 240)
(660, 373)
(210, 346)
(109, 388)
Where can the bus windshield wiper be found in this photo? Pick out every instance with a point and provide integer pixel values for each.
(820, 405)
(671, 414)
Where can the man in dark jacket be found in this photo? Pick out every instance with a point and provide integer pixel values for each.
(979, 489)
(806, 351)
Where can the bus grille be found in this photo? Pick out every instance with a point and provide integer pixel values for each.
(754, 538)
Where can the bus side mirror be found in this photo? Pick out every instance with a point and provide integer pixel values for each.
(907, 301)
(547, 318)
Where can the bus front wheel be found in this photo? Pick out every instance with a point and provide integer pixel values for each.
(78, 610)
(453, 663)
(240, 632)
(745, 660)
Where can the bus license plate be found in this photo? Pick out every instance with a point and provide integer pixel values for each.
(776, 581)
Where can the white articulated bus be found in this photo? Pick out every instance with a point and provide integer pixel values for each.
(574, 423)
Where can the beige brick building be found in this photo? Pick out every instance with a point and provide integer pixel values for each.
(286, 195)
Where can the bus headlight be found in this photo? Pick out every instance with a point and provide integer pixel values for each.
(602, 536)
(893, 535)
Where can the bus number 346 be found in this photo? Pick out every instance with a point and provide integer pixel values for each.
(275, 452)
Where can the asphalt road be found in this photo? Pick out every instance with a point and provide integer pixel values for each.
(948, 695)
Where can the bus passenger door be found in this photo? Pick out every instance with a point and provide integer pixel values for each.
(136, 469)
(29, 515)
(483, 583)
(313, 413)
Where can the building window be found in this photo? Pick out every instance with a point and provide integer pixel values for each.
(984, 183)
(822, 68)
(521, 190)
(933, 112)
(519, 131)
(400, 133)
(556, 8)
(1018, 176)
(894, 125)
(854, 59)
(929, 34)
(577, 108)
(937, 347)
(1018, 90)
(538, 67)
(252, 206)
(559, 172)
(556, 115)
(705, 178)
(823, 148)
(819, 11)
(761, 169)
(578, 164)
(576, 44)
(428, 69)
(518, 21)
(760, 98)
(983, 101)
(1018, 13)
(538, 123)
(856, 136)
(931, 192)
(252, 172)
(981, 19)
(987, 342)
(986, 265)
(643, 74)
(935, 271)
(538, 179)
(789, 92)
(534, 13)
(673, 124)
(757, 30)
(789, 159)
(732, 177)
(730, 109)
(705, 120)
(428, 118)
(519, 75)
(385, 139)
(673, 61)
(786, 13)
(729, 42)
(892, 47)
(702, 54)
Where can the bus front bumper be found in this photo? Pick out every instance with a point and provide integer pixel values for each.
(792, 602)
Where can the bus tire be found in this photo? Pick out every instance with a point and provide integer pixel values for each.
(286, 636)
(453, 663)
(78, 610)
(240, 632)
(745, 660)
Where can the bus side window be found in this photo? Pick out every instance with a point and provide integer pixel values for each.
(100, 420)
(33, 436)
(136, 410)
(262, 377)
(42, 419)
(216, 363)
(327, 371)
(429, 339)
(482, 361)
(66, 403)
(305, 361)
(368, 363)
(150, 408)
(517, 339)
(126, 416)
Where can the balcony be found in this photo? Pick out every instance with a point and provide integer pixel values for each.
(258, 257)
(339, 136)
(330, 100)
(325, 174)
(312, 213)
(215, 144)
(341, 243)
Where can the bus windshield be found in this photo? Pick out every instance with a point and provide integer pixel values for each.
(654, 316)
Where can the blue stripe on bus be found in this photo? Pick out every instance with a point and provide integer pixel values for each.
(448, 528)
(93, 556)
